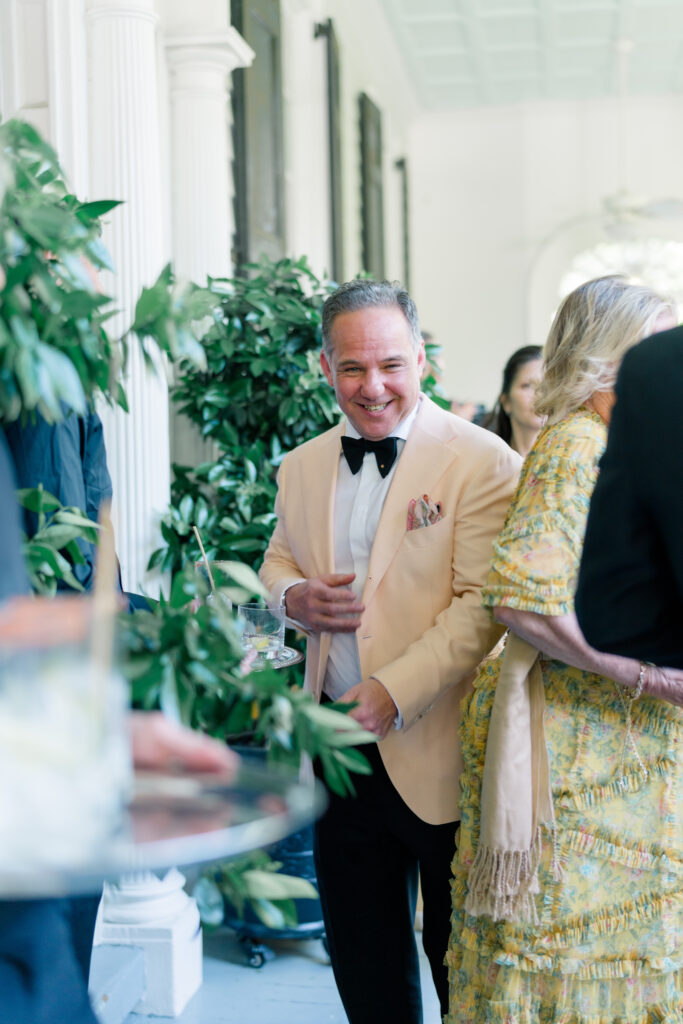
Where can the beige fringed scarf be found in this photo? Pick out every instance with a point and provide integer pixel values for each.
(515, 796)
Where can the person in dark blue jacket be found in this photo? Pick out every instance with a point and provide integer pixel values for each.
(70, 461)
(45, 944)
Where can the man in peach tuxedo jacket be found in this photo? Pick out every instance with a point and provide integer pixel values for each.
(384, 536)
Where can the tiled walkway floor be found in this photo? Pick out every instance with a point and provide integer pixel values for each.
(295, 987)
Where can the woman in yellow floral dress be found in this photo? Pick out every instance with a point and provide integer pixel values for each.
(596, 936)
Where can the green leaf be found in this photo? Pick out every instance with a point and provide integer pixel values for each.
(271, 915)
(57, 536)
(186, 508)
(244, 577)
(210, 902)
(98, 208)
(272, 885)
(151, 304)
(60, 370)
(35, 499)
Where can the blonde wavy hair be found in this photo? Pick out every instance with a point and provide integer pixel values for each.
(593, 329)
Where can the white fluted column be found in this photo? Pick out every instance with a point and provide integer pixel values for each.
(126, 164)
(201, 152)
(67, 47)
(203, 224)
(125, 150)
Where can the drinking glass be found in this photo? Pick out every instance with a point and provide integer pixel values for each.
(64, 756)
(264, 631)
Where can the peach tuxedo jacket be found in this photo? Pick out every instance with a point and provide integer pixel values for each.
(423, 631)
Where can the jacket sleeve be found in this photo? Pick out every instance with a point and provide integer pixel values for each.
(629, 599)
(280, 570)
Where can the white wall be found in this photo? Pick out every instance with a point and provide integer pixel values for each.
(490, 190)
(24, 62)
(370, 63)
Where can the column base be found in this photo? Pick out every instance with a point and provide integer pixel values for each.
(157, 916)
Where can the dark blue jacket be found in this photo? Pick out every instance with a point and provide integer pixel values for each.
(69, 459)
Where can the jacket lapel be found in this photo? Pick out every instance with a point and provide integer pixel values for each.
(318, 501)
(423, 462)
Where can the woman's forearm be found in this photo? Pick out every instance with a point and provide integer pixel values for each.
(560, 636)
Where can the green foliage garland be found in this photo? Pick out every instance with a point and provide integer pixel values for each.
(54, 351)
(185, 656)
(53, 550)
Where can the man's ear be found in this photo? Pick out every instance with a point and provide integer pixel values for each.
(327, 369)
(421, 358)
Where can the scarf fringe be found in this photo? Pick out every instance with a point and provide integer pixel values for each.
(501, 883)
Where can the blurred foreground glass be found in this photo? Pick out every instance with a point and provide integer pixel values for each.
(64, 756)
(264, 631)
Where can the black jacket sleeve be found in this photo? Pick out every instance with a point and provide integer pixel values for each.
(629, 599)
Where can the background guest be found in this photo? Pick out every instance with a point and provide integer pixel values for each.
(45, 944)
(563, 908)
(513, 417)
(68, 459)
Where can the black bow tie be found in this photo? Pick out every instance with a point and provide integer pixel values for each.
(356, 447)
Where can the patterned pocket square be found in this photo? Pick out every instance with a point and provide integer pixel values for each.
(423, 511)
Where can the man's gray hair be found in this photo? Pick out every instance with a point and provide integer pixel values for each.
(366, 294)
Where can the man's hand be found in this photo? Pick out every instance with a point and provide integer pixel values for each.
(159, 744)
(324, 604)
(376, 710)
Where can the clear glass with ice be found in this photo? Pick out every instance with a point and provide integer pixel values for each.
(263, 631)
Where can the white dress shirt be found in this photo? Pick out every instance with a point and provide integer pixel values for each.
(358, 505)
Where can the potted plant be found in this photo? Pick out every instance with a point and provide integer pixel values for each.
(260, 393)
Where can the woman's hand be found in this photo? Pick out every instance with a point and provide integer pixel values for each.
(664, 684)
(159, 744)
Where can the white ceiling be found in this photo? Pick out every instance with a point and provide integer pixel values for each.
(466, 53)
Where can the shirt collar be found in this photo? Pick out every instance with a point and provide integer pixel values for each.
(402, 430)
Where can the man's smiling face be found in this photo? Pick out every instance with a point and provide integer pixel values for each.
(374, 369)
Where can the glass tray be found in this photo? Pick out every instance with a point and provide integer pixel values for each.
(180, 820)
(286, 656)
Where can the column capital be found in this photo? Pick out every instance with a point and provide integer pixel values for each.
(222, 50)
(143, 9)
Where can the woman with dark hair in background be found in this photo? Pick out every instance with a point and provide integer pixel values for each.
(513, 417)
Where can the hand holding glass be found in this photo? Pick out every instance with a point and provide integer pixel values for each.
(264, 631)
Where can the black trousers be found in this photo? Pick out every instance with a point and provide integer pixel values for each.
(369, 851)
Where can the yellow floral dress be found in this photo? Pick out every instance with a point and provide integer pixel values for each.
(607, 948)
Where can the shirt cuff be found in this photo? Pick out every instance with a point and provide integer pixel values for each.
(294, 622)
(398, 718)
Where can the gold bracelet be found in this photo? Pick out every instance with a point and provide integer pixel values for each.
(640, 685)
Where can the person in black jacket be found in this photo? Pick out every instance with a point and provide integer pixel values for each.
(629, 599)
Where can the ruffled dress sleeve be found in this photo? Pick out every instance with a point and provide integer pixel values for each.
(536, 556)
